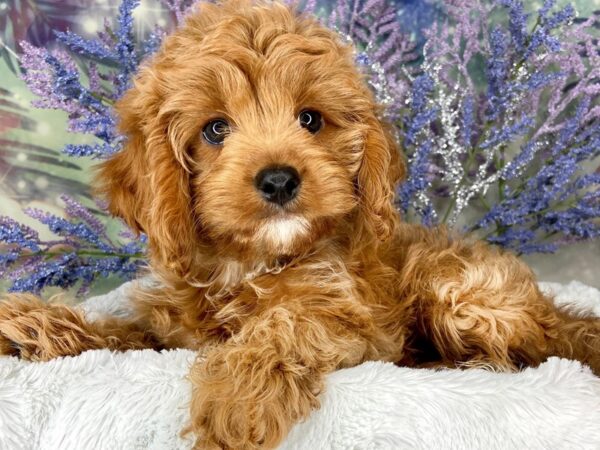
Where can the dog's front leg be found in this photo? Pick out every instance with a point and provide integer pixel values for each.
(38, 331)
(250, 391)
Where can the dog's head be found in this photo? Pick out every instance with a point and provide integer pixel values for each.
(251, 132)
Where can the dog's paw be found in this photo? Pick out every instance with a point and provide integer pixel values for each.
(36, 331)
(220, 422)
(7, 348)
(13, 336)
(247, 406)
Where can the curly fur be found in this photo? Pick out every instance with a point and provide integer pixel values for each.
(274, 299)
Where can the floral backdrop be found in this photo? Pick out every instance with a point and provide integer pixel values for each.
(34, 172)
(37, 176)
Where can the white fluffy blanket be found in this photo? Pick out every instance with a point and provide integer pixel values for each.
(138, 400)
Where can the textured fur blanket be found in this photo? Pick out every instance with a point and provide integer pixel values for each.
(138, 400)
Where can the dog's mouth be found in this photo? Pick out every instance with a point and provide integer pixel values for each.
(283, 232)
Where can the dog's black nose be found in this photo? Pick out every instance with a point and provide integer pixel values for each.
(278, 184)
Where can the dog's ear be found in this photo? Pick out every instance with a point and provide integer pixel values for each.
(380, 171)
(146, 184)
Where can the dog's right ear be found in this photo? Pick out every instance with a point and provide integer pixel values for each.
(120, 179)
(146, 184)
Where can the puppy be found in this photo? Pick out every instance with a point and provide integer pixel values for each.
(258, 167)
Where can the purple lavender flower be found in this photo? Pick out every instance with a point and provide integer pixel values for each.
(54, 76)
(507, 133)
(412, 192)
(178, 8)
(467, 122)
(517, 22)
(497, 73)
(501, 145)
(14, 233)
(89, 48)
(384, 50)
(153, 41)
(418, 182)
(83, 252)
(125, 47)
(557, 200)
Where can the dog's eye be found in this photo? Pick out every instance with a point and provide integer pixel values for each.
(215, 131)
(311, 120)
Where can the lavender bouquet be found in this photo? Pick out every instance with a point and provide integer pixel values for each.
(516, 146)
(496, 110)
(84, 248)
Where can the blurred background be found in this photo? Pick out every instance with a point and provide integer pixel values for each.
(34, 172)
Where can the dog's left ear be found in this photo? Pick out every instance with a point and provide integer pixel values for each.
(382, 167)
